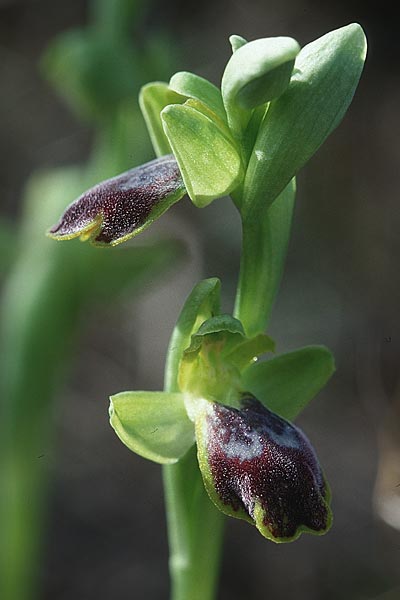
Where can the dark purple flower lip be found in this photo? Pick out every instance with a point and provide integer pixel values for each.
(259, 467)
(118, 208)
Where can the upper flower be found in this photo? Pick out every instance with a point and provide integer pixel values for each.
(119, 208)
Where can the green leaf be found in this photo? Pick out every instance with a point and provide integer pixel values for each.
(256, 73)
(209, 162)
(287, 383)
(152, 424)
(198, 88)
(202, 303)
(325, 77)
(153, 98)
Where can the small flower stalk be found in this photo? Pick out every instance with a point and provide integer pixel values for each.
(226, 391)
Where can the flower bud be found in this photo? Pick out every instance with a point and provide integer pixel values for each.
(259, 467)
(117, 209)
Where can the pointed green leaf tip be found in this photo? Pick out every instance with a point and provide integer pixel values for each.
(258, 467)
(119, 208)
(152, 424)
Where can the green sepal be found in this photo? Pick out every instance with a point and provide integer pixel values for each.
(152, 424)
(202, 303)
(256, 73)
(209, 161)
(287, 383)
(324, 80)
(247, 351)
(198, 88)
(237, 41)
(153, 97)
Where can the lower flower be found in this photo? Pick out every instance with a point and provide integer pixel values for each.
(259, 467)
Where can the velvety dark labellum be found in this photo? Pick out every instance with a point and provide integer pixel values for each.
(264, 469)
(114, 209)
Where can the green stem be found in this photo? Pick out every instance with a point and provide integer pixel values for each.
(265, 242)
(195, 530)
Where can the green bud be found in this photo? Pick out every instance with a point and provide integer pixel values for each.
(325, 77)
(257, 72)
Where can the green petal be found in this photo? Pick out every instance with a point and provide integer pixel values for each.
(152, 424)
(153, 98)
(325, 77)
(208, 160)
(198, 88)
(287, 383)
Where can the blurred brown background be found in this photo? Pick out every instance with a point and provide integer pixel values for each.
(106, 533)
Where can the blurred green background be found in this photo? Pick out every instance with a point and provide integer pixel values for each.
(105, 529)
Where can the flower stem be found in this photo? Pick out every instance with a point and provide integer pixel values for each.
(265, 242)
(195, 530)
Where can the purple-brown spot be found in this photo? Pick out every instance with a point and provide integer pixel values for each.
(263, 467)
(113, 209)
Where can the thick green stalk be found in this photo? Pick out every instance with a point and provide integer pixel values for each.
(195, 529)
(265, 242)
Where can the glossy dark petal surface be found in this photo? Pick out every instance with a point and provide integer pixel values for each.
(262, 468)
(113, 210)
